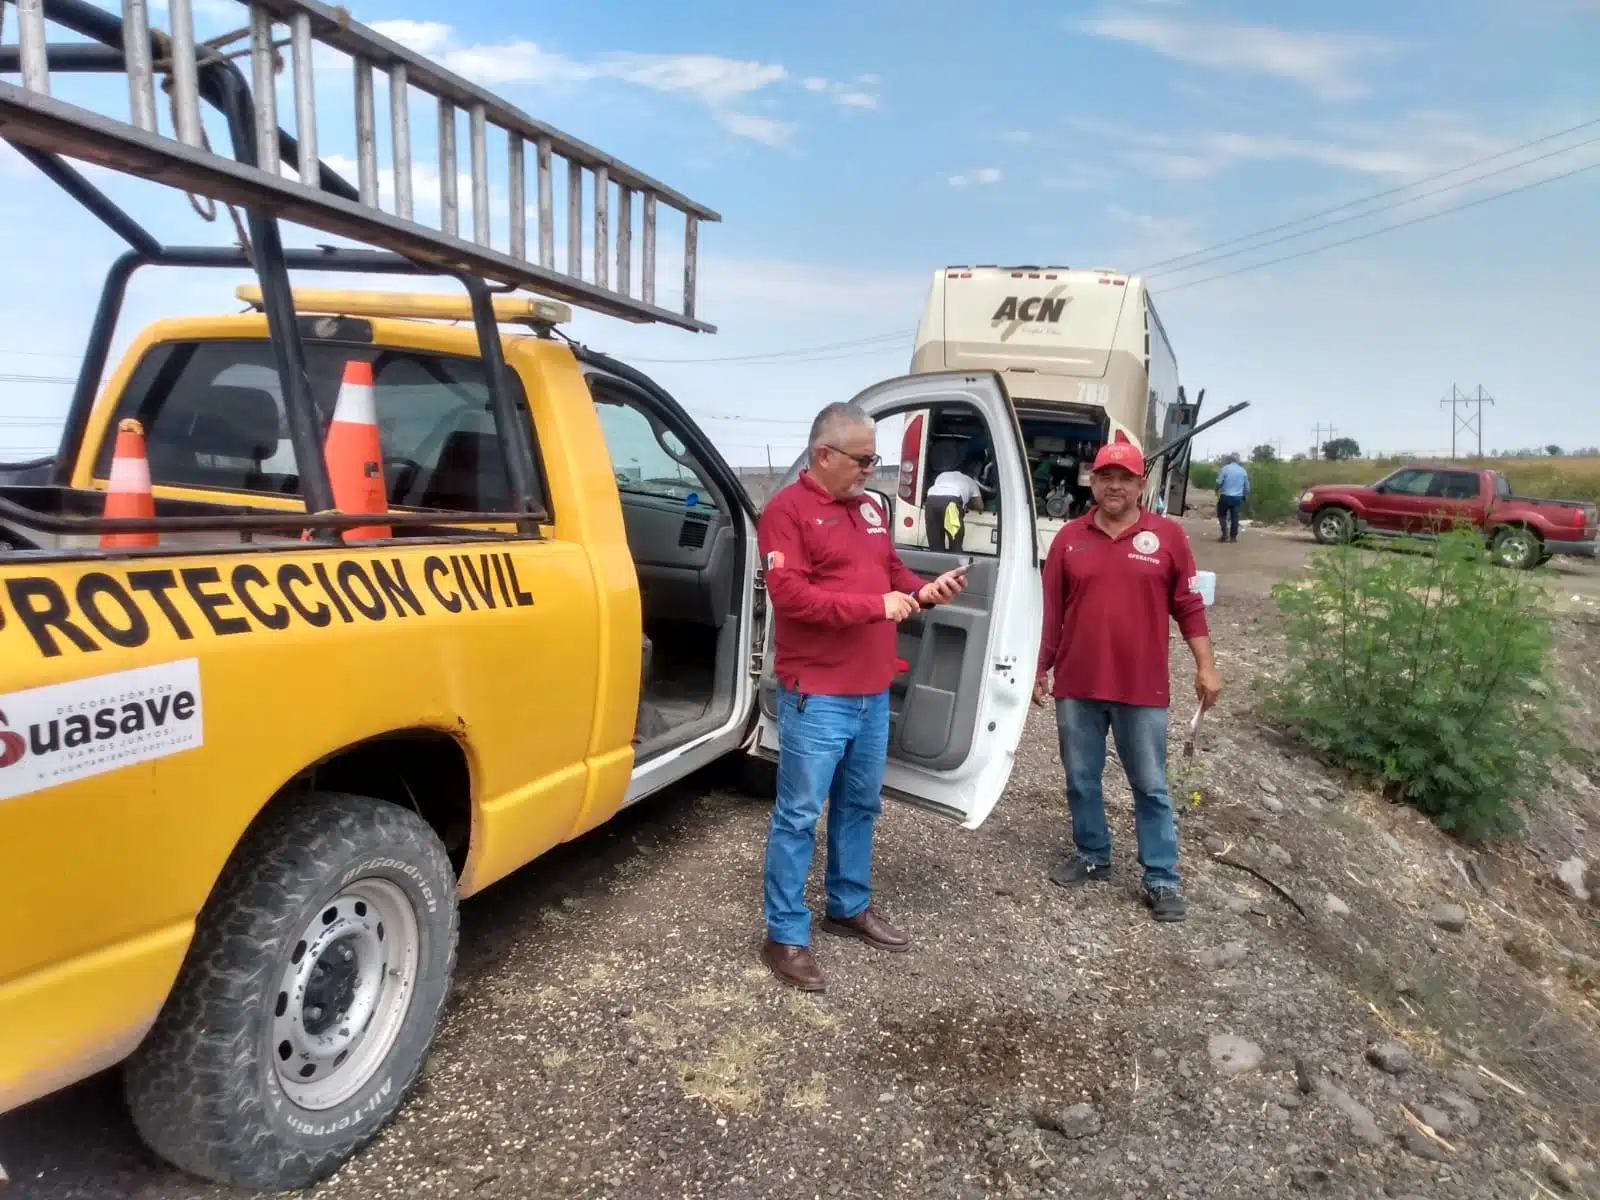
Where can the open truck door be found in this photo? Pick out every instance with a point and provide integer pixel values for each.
(958, 710)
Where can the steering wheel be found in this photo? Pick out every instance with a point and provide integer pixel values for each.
(400, 482)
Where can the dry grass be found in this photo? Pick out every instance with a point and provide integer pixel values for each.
(810, 1095)
(729, 1077)
(807, 1009)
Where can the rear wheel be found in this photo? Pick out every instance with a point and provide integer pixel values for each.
(309, 997)
(1333, 526)
(1519, 549)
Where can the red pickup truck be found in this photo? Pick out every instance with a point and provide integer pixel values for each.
(1420, 500)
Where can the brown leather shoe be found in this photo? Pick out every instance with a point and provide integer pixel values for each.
(792, 965)
(871, 928)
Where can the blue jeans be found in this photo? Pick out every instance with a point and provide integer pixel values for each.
(1141, 735)
(833, 748)
(1228, 508)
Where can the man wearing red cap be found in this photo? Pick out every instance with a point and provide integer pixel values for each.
(1112, 580)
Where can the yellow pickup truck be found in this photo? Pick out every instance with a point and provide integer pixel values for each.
(246, 774)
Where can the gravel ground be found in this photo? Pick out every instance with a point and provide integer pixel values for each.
(613, 1033)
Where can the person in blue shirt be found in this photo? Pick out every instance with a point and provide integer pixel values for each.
(1233, 485)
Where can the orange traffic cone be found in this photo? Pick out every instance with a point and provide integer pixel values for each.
(354, 454)
(129, 494)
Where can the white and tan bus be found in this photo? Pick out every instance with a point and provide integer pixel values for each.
(1086, 361)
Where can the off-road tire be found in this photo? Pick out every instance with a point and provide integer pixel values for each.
(1333, 526)
(1517, 548)
(204, 1089)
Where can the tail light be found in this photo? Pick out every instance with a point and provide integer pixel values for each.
(910, 456)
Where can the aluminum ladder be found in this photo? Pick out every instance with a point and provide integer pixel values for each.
(320, 199)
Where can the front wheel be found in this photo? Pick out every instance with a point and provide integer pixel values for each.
(1333, 526)
(309, 997)
(1519, 549)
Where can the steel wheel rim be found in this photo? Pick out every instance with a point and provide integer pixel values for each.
(344, 993)
(1515, 548)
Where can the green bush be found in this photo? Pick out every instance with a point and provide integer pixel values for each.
(1273, 494)
(1203, 475)
(1427, 673)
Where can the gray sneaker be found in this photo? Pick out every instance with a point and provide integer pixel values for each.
(1075, 870)
(1165, 904)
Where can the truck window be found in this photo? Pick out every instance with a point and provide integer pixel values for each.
(214, 419)
(1454, 485)
(1410, 483)
(1502, 487)
(641, 463)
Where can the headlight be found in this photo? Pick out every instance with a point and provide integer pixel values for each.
(1304, 496)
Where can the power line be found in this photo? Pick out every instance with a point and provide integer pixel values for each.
(1405, 187)
(1361, 216)
(897, 335)
(1372, 233)
(38, 379)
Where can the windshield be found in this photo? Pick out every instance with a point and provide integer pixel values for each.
(641, 463)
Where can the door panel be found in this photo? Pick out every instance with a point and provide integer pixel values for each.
(934, 702)
(958, 710)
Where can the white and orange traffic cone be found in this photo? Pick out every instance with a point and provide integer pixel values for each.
(129, 493)
(355, 454)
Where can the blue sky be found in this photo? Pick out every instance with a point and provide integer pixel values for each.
(852, 149)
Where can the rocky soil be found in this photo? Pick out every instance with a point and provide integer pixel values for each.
(1357, 1007)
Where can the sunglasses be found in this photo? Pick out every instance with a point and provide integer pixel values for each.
(865, 461)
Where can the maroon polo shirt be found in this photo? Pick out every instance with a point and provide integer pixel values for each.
(1106, 606)
(828, 564)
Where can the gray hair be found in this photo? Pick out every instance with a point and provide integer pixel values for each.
(834, 420)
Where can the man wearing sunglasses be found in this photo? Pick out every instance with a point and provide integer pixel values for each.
(838, 590)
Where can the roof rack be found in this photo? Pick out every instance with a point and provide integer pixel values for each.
(31, 116)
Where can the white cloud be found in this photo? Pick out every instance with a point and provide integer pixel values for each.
(424, 37)
(983, 175)
(1327, 64)
(724, 85)
(765, 130)
(855, 99)
(1018, 137)
(1407, 148)
(806, 287)
(860, 93)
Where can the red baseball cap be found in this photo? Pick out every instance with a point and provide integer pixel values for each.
(1119, 454)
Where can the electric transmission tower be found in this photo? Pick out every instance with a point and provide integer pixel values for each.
(1317, 439)
(1472, 423)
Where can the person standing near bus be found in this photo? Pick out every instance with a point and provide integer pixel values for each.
(1112, 580)
(838, 589)
(1233, 486)
(950, 496)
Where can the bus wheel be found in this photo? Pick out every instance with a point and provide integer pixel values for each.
(1333, 526)
(308, 999)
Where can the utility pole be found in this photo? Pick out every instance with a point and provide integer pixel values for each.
(1473, 422)
(1317, 440)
